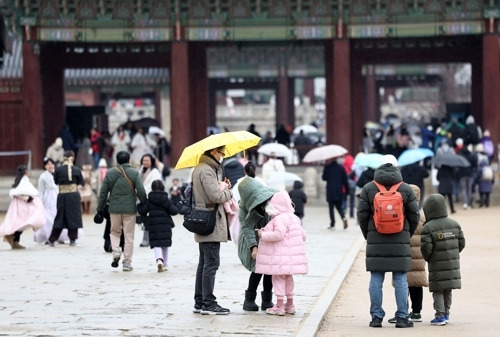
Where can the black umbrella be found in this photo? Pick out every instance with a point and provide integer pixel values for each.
(146, 122)
(451, 160)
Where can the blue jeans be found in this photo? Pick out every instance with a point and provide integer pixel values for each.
(208, 264)
(400, 290)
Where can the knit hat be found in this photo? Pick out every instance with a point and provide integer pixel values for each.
(253, 193)
(389, 159)
(459, 142)
(103, 163)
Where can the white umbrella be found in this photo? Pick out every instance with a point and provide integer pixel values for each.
(325, 152)
(279, 150)
(307, 128)
(282, 179)
(154, 130)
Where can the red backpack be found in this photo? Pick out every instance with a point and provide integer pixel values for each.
(388, 214)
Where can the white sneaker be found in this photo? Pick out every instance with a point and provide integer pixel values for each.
(465, 206)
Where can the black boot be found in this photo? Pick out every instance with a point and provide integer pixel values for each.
(267, 300)
(249, 304)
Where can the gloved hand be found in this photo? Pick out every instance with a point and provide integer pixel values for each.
(30, 199)
(98, 218)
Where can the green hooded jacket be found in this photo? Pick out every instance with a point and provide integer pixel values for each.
(442, 241)
(252, 194)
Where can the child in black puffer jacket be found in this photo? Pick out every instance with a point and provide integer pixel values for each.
(159, 209)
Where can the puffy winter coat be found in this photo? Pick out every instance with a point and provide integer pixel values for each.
(441, 243)
(417, 276)
(160, 223)
(207, 194)
(281, 246)
(387, 252)
(252, 216)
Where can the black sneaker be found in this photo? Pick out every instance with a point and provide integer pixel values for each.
(404, 322)
(197, 309)
(392, 320)
(376, 322)
(214, 309)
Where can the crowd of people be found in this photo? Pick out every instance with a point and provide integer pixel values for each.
(265, 223)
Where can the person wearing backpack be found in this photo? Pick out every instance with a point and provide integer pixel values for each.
(388, 252)
(484, 181)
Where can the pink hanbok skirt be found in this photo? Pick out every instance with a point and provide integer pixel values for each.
(22, 215)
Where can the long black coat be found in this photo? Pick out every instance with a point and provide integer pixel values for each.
(387, 252)
(336, 181)
(445, 176)
(160, 223)
(69, 210)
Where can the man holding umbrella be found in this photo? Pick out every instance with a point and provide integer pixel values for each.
(207, 195)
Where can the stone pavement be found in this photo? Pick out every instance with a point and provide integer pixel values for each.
(475, 308)
(73, 291)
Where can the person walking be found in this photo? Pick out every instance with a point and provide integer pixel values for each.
(69, 211)
(281, 252)
(149, 173)
(415, 174)
(207, 195)
(417, 277)
(299, 198)
(25, 209)
(123, 185)
(252, 217)
(56, 151)
(446, 178)
(441, 243)
(160, 209)
(48, 191)
(388, 252)
(336, 185)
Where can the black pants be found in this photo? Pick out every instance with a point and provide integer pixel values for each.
(254, 280)
(338, 205)
(450, 201)
(208, 264)
(416, 297)
(17, 236)
(56, 232)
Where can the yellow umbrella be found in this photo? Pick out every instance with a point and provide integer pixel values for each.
(235, 142)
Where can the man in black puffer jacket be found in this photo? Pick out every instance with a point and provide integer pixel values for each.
(388, 252)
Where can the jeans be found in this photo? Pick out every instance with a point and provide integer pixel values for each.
(400, 290)
(208, 264)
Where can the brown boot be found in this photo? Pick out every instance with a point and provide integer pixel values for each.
(10, 239)
(17, 245)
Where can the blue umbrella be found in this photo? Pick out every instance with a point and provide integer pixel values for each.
(371, 160)
(411, 156)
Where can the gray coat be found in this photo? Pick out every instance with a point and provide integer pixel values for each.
(441, 243)
(387, 252)
(207, 195)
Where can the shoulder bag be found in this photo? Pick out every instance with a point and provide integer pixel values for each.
(199, 221)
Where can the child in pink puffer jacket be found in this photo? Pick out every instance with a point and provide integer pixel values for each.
(281, 252)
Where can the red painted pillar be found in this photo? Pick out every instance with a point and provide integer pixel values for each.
(180, 100)
(285, 109)
(32, 106)
(199, 89)
(491, 85)
(338, 93)
(358, 117)
(371, 101)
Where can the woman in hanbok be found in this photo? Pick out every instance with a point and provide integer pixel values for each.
(25, 210)
(47, 190)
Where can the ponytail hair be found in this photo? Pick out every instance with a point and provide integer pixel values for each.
(20, 173)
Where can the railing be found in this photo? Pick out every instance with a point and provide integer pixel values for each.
(18, 153)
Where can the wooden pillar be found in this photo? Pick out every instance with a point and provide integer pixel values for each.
(358, 117)
(338, 93)
(53, 100)
(285, 109)
(181, 100)
(491, 85)
(199, 89)
(32, 106)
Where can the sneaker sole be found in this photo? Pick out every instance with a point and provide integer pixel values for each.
(213, 313)
(114, 264)
(439, 323)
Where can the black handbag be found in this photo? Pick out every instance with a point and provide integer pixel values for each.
(199, 221)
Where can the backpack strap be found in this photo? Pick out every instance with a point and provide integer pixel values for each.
(382, 188)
